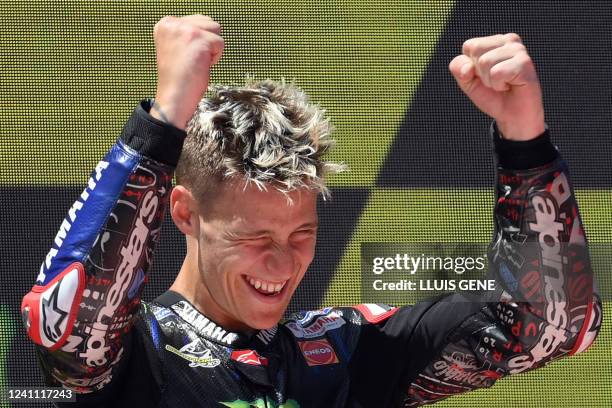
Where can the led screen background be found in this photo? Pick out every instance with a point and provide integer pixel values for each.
(421, 168)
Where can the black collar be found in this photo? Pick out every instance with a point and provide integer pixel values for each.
(210, 330)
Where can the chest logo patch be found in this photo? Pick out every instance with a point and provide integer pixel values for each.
(196, 353)
(318, 352)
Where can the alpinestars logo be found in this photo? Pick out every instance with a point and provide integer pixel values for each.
(52, 315)
(546, 207)
(95, 353)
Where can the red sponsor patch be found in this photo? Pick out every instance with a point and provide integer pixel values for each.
(318, 352)
(249, 357)
(375, 313)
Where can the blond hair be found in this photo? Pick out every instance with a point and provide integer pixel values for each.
(265, 132)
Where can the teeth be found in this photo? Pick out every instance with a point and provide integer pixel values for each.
(267, 287)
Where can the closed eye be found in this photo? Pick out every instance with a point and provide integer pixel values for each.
(305, 233)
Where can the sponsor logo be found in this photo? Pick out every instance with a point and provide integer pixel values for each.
(130, 256)
(317, 328)
(547, 225)
(260, 402)
(249, 357)
(196, 353)
(464, 369)
(202, 324)
(374, 313)
(52, 315)
(267, 335)
(69, 220)
(318, 352)
(309, 315)
(57, 300)
(161, 313)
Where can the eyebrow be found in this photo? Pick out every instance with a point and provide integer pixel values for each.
(308, 225)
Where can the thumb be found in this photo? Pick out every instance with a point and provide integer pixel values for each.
(464, 71)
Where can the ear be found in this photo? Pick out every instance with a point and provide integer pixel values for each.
(183, 209)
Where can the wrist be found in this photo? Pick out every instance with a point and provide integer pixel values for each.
(523, 154)
(166, 112)
(521, 131)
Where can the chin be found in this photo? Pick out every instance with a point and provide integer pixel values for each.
(264, 320)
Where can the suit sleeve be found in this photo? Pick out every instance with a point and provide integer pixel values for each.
(546, 308)
(82, 308)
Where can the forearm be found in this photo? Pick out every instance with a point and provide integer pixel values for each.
(539, 253)
(89, 284)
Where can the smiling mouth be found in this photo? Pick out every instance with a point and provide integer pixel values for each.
(264, 287)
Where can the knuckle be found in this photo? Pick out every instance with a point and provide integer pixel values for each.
(496, 73)
(468, 46)
(191, 32)
(484, 61)
(166, 20)
(221, 42)
(517, 46)
(524, 59)
(162, 24)
(513, 37)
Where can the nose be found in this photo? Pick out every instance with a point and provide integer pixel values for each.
(280, 262)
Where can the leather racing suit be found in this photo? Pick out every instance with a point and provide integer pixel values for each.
(95, 336)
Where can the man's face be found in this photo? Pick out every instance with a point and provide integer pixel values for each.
(254, 250)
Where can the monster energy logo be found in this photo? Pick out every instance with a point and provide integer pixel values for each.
(261, 403)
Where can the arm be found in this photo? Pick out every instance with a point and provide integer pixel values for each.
(539, 256)
(81, 310)
(458, 343)
(88, 289)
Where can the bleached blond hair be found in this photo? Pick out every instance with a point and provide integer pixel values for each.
(265, 132)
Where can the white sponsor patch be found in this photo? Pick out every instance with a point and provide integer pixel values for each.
(318, 327)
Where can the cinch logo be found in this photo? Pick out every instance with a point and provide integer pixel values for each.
(318, 352)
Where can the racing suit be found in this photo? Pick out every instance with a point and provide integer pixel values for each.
(95, 336)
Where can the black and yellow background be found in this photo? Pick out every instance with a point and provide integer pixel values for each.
(72, 71)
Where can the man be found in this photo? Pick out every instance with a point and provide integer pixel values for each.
(248, 177)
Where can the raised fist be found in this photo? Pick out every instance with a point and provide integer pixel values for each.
(186, 48)
(498, 75)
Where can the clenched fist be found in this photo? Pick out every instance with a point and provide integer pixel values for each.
(186, 48)
(498, 75)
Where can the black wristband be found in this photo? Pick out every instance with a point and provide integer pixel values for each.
(158, 140)
(523, 155)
